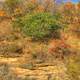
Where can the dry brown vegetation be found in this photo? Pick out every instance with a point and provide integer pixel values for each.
(28, 58)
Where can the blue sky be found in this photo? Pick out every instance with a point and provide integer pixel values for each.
(74, 1)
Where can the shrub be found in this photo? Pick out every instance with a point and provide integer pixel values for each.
(10, 49)
(39, 25)
(74, 67)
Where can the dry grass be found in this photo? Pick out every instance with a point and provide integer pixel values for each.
(33, 62)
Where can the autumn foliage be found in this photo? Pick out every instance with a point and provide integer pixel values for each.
(2, 13)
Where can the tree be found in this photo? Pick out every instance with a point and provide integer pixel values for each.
(30, 5)
(78, 12)
(49, 5)
(11, 5)
(40, 8)
(69, 12)
(40, 5)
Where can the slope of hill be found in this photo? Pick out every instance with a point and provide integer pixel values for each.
(18, 59)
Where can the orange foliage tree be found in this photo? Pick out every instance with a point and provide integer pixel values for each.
(2, 13)
(40, 8)
(33, 1)
(78, 5)
(69, 12)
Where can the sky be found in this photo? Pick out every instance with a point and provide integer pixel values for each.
(74, 1)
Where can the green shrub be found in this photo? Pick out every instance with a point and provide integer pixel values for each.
(39, 25)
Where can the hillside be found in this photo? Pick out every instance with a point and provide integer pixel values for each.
(39, 40)
(22, 66)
